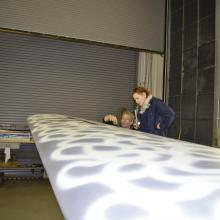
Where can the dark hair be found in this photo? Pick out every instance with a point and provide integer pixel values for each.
(140, 89)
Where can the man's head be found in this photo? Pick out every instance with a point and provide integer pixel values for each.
(127, 119)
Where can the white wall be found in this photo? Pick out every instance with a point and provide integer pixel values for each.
(132, 23)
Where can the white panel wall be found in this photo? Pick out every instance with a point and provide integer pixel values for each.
(132, 23)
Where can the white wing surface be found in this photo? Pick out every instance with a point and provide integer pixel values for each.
(102, 172)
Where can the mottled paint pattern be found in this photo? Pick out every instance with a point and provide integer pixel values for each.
(102, 172)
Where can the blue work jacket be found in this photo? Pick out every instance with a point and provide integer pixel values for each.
(158, 112)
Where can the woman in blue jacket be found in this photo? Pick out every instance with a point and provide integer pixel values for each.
(154, 116)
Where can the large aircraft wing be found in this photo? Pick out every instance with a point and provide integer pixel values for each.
(102, 172)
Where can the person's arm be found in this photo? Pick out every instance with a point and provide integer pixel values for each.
(136, 123)
(110, 119)
(166, 114)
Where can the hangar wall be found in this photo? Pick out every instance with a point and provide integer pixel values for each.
(41, 75)
(138, 24)
(192, 69)
(216, 133)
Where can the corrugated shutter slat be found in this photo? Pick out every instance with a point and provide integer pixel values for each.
(40, 75)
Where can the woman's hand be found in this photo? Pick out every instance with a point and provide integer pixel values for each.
(136, 124)
(111, 118)
(158, 126)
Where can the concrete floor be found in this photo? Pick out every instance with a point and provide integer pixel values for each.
(28, 199)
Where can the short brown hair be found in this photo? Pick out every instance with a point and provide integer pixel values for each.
(140, 89)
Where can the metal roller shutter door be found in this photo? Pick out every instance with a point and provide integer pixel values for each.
(41, 75)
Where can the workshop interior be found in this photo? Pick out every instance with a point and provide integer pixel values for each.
(83, 59)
